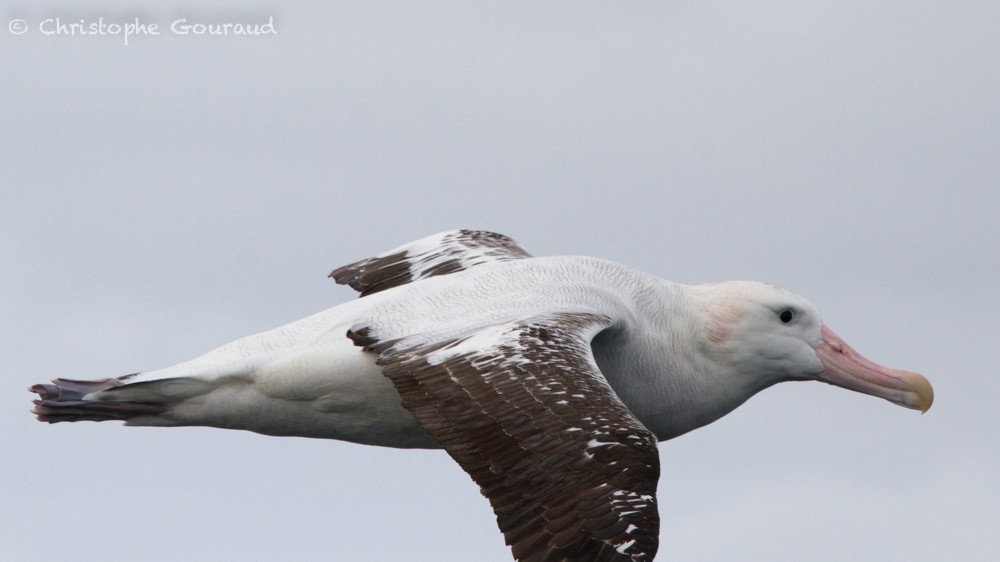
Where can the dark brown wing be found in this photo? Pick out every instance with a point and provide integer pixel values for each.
(524, 409)
(440, 254)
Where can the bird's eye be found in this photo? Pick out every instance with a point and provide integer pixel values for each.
(786, 316)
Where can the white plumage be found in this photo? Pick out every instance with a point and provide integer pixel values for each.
(546, 378)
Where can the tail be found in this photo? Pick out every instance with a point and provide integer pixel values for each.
(63, 401)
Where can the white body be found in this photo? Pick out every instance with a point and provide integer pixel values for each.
(308, 379)
(503, 358)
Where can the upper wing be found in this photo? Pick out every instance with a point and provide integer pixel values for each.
(439, 254)
(524, 409)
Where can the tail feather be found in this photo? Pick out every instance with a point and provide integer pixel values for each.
(63, 401)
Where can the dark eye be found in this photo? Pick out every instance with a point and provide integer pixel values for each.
(786, 316)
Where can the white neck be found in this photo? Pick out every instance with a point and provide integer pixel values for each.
(674, 385)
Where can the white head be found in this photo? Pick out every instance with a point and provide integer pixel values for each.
(762, 334)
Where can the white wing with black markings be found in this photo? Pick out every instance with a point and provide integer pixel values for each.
(439, 254)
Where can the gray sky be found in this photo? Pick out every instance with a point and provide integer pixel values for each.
(165, 197)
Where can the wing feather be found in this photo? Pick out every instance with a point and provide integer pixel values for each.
(570, 472)
(439, 254)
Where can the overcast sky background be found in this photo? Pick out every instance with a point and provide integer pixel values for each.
(162, 198)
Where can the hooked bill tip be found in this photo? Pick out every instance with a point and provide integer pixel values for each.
(923, 389)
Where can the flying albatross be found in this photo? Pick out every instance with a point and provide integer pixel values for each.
(548, 379)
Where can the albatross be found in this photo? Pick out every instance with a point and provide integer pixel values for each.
(550, 380)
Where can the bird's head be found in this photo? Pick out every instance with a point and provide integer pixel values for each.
(759, 330)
